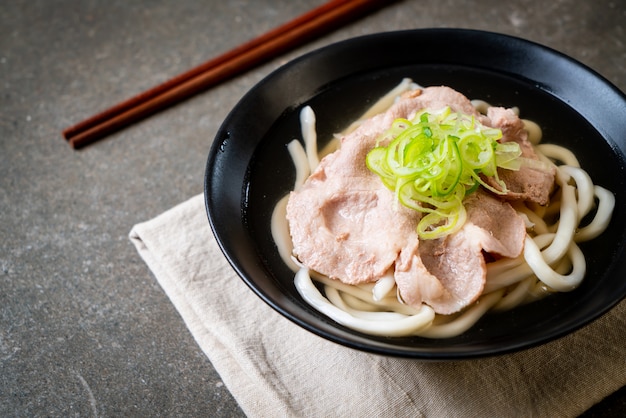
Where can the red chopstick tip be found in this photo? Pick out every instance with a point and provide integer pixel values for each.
(67, 133)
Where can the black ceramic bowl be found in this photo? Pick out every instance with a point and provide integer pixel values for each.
(249, 167)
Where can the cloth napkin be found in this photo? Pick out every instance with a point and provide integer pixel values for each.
(274, 368)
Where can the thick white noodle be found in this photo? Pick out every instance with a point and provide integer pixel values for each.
(309, 134)
(568, 220)
(606, 204)
(508, 271)
(280, 233)
(515, 296)
(498, 279)
(358, 308)
(279, 227)
(545, 273)
(394, 328)
(300, 161)
(534, 131)
(348, 299)
(364, 294)
(383, 286)
(584, 189)
(559, 153)
(529, 289)
(464, 321)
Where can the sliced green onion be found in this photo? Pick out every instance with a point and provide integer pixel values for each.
(434, 160)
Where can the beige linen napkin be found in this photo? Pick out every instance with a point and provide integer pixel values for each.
(274, 368)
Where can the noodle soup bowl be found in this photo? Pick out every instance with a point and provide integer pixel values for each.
(249, 168)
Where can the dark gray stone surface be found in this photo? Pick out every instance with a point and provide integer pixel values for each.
(84, 327)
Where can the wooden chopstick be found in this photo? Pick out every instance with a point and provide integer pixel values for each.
(305, 27)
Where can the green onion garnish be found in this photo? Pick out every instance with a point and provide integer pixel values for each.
(434, 160)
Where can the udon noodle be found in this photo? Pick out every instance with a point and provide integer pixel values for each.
(551, 261)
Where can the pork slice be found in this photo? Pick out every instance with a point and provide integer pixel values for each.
(343, 221)
(349, 230)
(528, 183)
(457, 261)
(497, 225)
(346, 224)
(457, 264)
(433, 98)
(416, 283)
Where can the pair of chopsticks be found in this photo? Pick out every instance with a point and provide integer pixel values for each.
(303, 28)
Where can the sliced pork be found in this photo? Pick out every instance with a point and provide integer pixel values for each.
(346, 224)
(457, 260)
(529, 183)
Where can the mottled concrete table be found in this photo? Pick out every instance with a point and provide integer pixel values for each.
(84, 327)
